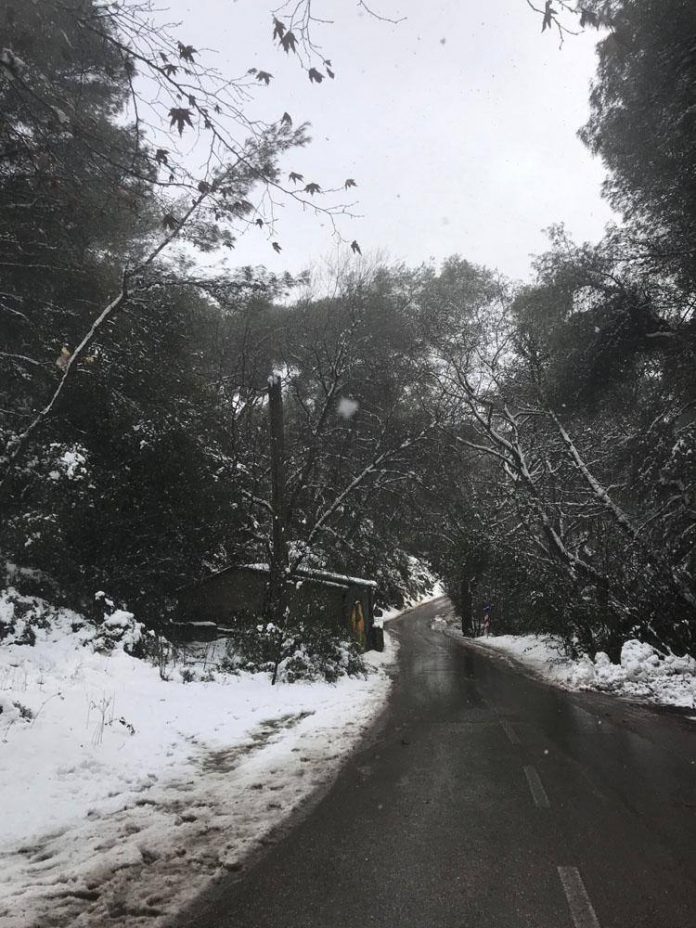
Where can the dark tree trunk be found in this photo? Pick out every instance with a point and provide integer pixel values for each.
(466, 593)
(279, 548)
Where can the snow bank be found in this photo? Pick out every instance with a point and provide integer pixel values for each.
(643, 672)
(123, 793)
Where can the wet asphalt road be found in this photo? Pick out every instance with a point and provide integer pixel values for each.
(486, 799)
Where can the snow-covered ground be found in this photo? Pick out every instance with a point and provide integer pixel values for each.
(643, 673)
(123, 793)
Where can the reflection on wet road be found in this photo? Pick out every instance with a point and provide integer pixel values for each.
(487, 800)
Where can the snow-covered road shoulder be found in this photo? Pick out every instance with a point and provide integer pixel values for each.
(643, 673)
(123, 794)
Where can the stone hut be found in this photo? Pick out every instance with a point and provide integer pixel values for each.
(209, 607)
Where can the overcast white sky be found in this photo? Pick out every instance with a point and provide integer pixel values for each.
(458, 124)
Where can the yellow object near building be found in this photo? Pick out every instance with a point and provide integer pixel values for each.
(239, 594)
(357, 624)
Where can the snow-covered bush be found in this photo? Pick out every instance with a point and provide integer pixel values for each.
(25, 618)
(120, 630)
(117, 628)
(299, 651)
(13, 711)
(21, 617)
(641, 672)
(29, 580)
(319, 653)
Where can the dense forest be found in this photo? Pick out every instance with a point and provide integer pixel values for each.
(534, 444)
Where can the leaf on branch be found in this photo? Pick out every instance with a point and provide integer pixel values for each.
(286, 119)
(312, 188)
(242, 207)
(180, 117)
(588, 18)
(264, 76)
(276, 247)
(289, 42)
(355, 247)
(259, 222)
(350, 183)
(204, 186)
(278, 29)
(161, 156)
(251, 71)
(295, 178)
(330, 73)
(169, 221)
(315, 76)
(549, 14)
(170, 70)
(186, 52)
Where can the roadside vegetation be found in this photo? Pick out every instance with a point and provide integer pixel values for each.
(534, 444)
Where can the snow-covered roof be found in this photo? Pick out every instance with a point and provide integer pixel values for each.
(325, 577)
(312, 573)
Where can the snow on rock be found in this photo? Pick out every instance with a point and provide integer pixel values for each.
(124, 793)
(642, 673)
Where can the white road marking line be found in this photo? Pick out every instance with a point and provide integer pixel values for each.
(536, 787)
(510, 732)
(581, 909)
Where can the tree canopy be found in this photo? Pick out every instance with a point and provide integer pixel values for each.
(533, 443)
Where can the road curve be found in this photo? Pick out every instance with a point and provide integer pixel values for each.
(486, 799)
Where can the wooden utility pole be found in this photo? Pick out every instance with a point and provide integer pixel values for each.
(279, 545)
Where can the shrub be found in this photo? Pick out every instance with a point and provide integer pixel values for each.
(298, 651)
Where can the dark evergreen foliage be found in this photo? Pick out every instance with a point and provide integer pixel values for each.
(535, 444)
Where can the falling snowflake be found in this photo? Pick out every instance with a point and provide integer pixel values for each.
(347, 407)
